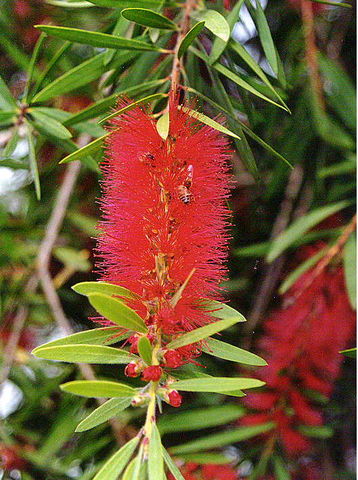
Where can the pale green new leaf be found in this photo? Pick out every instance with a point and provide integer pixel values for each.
(145, 350)
(216, 384)
(350, 273)
(98, 389)
(214, 22)
(209, 121)
(230, 352)
(155, 455)
(117, 312)
(117, 463)
(87, 288)
(299, 227)
(163, 125)
(103, 413)
(96, 336)
(87, 150)
(84, 354)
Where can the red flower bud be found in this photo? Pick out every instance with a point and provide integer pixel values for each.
(173, 359)
(152, 374)
(133, 340)
(132, 370)
(174, 398)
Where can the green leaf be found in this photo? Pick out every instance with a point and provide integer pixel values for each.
(49, 125)
(266, 38)
(222, 439)
(117, 463)
(232, 353)
(209, 121)
(147, 99)
(350, 274)
(87, 150)
(124, 3)
(281, 472)
(148, 18)
(205, 458)
(155, 455)
(316, 431)
(33, 162)
(163, 125)
(199, 418)
(350, 352)
(299, 227)
(214, 22)
(96, 336)
(117, 312)
(234, 77)
(75, 259)
(10, 163)
(244, 54)
(97, 39)
(216, 384)
(7, 101)
(87, 288)
(145, 350)
(201, 333)
(84, 354)
(103, 413)
(32, 64)
(78, 76)
(98, 389)
(222, 311)
(219, 45)
(189, 38)
(174, 470)
(300, 270)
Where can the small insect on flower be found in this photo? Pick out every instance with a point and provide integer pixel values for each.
(185, 194)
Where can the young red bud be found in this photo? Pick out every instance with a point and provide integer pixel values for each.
(173, 359)
(133, 369)
(133, 340)
(152, 374)
(174, 398)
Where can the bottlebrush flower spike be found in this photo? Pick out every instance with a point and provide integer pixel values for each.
(165, 216)
(301, 343)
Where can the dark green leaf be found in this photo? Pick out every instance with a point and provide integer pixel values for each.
(216, 384)
(97, 39)
(266, 38)
(117, 312)
(222, 439)
(33, 162)
(32, 64)
(232, 353)
(103, 413)
(350, 352)
(148, 18)
(155, 455)
(10, 163)
(117, 463)
(205, 458)
(189, 38)
(316, 431)
(281, 472)
(84, 354)
(199, 418)
(147, 99)
(145, 350)
(96, 336)
(98, 389)
(7, 101)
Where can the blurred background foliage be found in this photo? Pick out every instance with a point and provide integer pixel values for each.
(284, 85)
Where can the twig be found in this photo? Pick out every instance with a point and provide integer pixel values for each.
(272, 272)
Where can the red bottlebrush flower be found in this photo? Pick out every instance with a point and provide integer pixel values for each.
(10, 458)
(301, 344)
(165, 217)
(132, 370)
(152, 374)
(173, 359)
(174, 398)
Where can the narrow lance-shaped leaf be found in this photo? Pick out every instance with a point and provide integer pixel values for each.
(155, 455)
(209, 121)
(32, 64)
(97, 39)
(189, 38)
(117, 312)
(230, 352)
(350, 274)
(33, 162)
(7, 101)
(145, 350)
(174, 470)
(149, 98)
(117, 463)
(48, 125)
(84, 354)
(300, 226)
(96, 336)
(87, 150)
(103, 413)
(266, 37)
(148, 18)
(98, 389)
(350, 352)
(86, 288)
(216, 384)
